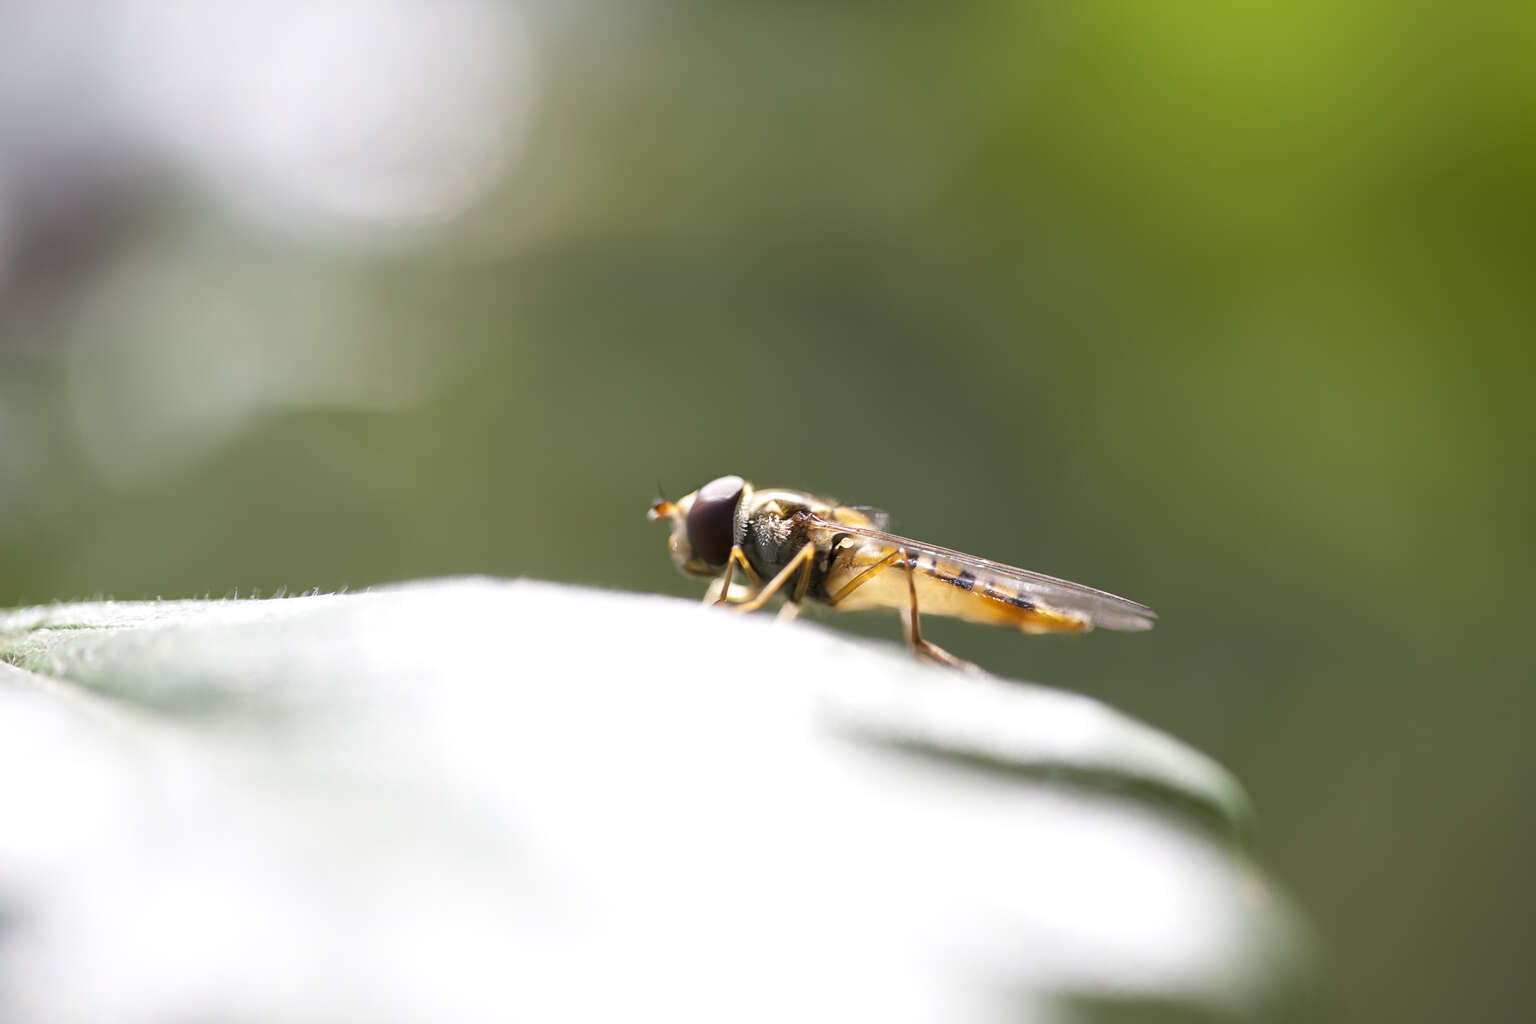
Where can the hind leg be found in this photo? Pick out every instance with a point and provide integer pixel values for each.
(913, 629)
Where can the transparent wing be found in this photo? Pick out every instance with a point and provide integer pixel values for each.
(1103, 610)
(879, 518)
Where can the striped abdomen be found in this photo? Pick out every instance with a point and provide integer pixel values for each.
(943, 588)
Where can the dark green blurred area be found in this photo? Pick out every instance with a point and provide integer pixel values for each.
(1229, 311)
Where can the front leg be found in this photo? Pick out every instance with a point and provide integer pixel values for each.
(719, 591)
(801, 563)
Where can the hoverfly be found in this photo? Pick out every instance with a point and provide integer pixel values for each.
(813, 548)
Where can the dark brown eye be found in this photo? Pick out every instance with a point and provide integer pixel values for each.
(712, 519)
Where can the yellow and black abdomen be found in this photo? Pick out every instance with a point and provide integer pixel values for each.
(943, 588)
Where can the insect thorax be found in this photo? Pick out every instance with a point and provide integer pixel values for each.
(773, 536)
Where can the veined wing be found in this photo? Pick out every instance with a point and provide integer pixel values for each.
(878, 517)
(1100, 608)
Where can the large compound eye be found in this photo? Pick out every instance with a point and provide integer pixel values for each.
(712, 519)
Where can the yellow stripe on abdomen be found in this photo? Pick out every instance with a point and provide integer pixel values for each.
(949, 590)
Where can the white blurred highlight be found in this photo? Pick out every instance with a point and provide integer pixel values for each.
(332, 117)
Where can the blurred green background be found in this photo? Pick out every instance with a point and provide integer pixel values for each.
(1226, 309)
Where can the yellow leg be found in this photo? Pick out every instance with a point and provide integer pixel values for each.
(738, 557)
(862, 578)
(791, 609)
(909, 622)
(803, 583)
(914, 631)
(801, 563)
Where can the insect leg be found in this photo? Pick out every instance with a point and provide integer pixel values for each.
(801, 563)
(720, 591)
(791, 609)
(914, 631)
(862, 578)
